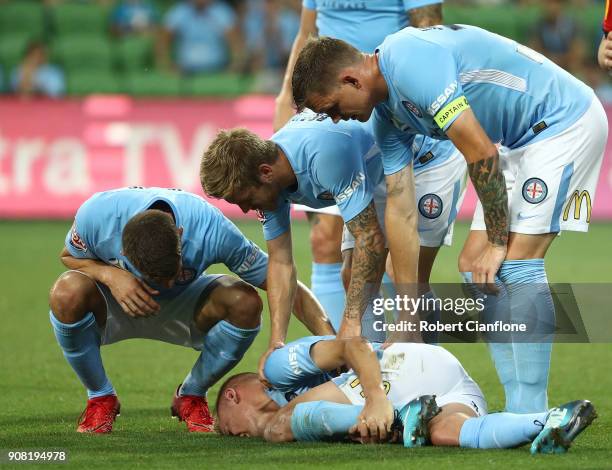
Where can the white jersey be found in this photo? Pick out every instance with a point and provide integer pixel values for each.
(411, 370)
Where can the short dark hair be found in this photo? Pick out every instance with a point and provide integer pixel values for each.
(318, 65)
(151, 242)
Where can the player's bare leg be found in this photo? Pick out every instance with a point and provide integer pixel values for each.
(229, 318)
(73, 296)
(325, 241)
(78, 310)
(551, 431)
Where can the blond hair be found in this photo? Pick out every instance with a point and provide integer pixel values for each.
(232, 160)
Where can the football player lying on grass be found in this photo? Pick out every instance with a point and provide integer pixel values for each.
(418, 390)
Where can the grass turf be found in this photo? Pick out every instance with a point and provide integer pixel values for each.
(42, 398)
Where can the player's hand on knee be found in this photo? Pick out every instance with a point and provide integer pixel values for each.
(485, 268)
(133, 295)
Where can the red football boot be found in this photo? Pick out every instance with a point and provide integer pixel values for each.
(99, 414)
(194, 411)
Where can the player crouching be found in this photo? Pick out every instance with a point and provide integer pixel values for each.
(419, 390)
(137, 260)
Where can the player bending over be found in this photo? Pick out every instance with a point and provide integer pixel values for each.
(433, 399)
(445, 82)
(137, 260)
(315, 162)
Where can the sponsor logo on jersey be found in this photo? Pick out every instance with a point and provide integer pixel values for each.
(430, 206)
(450, 111)
(293, 361)
(349, 190)
(442, 98)
(75, 239)
(250, 260)
(576, 198)
(326, 196)
(410, 106)
(185, 276)
(534, 190)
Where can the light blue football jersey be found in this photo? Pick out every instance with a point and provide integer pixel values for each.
(208, 236)
(434, 74)
(292, 372)
(362, 23)
(335, 164)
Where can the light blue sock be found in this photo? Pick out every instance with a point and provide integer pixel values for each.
(497, 307)
(80, 343)
(368, 321)
(530, 303)
(326, 281)
(224, 346)
(501, 430)
(323, 420)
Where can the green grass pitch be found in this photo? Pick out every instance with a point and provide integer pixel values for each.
(42, 398)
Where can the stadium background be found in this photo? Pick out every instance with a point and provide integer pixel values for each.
(125, 117)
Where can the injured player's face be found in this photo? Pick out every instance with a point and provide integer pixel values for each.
(244, 408)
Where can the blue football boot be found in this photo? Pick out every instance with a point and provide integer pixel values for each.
(563, 425)
(415, 417)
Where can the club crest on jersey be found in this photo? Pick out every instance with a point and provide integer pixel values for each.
(261, 216)
(410, 106)
(75, 239)
(534, 190)
(186, 276)
(430, 206)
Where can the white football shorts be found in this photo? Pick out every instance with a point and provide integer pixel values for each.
(551, 184)
(440, 190)
(411, 370)
(174, 323)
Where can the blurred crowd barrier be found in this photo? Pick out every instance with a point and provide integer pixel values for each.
(55, 154)
(231, 47)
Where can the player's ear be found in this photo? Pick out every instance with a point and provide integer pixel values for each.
(350, 79)
(265, 173)
(230, 395)
(180, 231)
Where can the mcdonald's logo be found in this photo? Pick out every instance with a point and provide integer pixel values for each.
(577, 198)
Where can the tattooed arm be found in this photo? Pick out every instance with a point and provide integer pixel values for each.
(428, 15)
(368, 267)
(488, 180)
